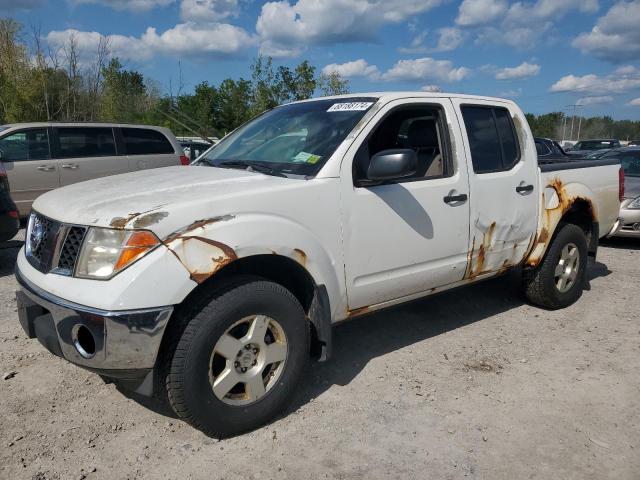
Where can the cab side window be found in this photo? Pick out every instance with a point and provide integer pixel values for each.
(25, 145)
(492, 139)
(416, 128)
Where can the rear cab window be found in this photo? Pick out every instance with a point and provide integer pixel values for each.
(142, 141)
(492, 138)
(77, 142)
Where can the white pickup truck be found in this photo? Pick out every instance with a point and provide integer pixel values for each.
(212, 285)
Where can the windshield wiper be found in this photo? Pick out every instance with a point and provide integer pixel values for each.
(251, 166)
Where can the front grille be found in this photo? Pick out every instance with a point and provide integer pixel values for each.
(71, 248)
(53, 246)
(39, 246)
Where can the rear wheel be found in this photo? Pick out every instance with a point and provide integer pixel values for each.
(239, 358)
(559, 279)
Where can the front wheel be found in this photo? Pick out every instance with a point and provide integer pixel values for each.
(239, 359)
(559, 279)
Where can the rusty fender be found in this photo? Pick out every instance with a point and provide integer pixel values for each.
(556, 201)
(201, 256)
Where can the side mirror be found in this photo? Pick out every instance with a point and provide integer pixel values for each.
(392, 164)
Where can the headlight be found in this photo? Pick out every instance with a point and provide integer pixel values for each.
(105, 251)
(635, 204)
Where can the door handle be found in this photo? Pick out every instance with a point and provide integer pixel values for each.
(46, 168)
(461, 198)
(524, 188)
(71, 166)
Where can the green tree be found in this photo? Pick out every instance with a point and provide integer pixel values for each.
(124, 94)
(234, 104)
(333, 84)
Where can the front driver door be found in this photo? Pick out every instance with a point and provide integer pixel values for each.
(406, 237)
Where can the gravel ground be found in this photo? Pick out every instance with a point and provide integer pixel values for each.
(472, 383)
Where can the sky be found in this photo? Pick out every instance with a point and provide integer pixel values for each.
(545, 54)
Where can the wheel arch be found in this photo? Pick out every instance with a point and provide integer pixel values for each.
(293, 276)
(564, 204)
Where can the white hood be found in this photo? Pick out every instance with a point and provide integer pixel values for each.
(162, 200)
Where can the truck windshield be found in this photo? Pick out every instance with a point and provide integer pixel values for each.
(294, 139)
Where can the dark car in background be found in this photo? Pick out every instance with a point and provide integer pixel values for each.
(9, 218)
(549, 149)
(585, 147)
(630, 207)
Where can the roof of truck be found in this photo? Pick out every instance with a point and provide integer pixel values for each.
(410, 94)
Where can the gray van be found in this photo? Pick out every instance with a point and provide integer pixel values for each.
(39, 157)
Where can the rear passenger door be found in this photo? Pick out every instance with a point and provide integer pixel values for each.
(31, 171)
(84, 153)
(503, 178)
(147, 148)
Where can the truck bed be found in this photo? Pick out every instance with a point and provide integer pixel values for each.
(552, 164)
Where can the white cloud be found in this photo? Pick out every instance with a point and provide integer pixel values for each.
(635, 102)
(524, 13)
(478, 12)
(286, 28)
(522, 24)
(425, 68)
(523, 70)
(356, 68)
(613, 83)
(431, 88)
(135, 5)
(597, 100)
(518, 37)
(207, 10)
(185, 39)
(449, 38)
(616, 35)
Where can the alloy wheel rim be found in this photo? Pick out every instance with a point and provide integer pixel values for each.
(567, 269)
(248, 360)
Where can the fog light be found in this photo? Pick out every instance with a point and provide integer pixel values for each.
(83, 341)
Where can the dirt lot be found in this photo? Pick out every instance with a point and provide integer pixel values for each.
(472, 383)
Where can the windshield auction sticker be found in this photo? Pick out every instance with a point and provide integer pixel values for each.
(349, 107)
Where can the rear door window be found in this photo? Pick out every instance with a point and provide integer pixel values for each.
(76, 142)
(142, 141)
(492, 138)
(25, 145)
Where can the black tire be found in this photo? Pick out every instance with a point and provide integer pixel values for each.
(539, 283)
(190, 352)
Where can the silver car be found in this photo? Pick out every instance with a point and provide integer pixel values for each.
(630, 207)
(39, 157)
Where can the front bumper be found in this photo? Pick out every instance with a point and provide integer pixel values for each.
(629, 221)
(119, 344)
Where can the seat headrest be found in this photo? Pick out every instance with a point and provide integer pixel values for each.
(422, 133)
